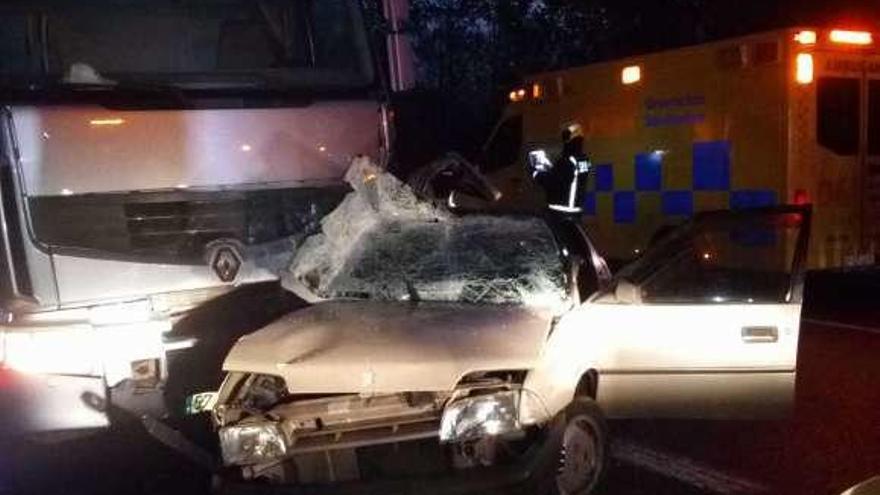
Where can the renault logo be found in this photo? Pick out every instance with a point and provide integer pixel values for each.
(226, 261)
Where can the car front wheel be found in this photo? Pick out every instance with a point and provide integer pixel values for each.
(584, 449)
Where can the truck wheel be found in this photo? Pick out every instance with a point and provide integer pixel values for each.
(583, 451)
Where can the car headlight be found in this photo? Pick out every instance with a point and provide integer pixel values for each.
(483, 415)
(252, 444)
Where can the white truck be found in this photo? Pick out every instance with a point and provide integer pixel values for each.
(152, 158)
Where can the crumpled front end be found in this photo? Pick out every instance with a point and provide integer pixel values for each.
(424, 329)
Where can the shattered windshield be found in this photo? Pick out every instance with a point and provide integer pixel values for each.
(490, 260)
(383, 242)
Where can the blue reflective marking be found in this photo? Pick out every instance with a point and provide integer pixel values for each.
(711, 166)
(752, 198)
(678, 203)
(604, 177)
(624, 207)
(649, 171)
(589, 206)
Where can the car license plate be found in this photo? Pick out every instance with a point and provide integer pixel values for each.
(202, 402)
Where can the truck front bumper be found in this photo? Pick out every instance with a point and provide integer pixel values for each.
(31, 403)
(60, 369)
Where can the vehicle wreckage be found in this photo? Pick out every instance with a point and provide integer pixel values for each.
(485, 331)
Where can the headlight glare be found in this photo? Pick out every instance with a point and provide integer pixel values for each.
(483, 415)
(252, 444)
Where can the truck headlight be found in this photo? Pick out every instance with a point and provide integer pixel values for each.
(483, 415)
(72, 351)
(252, 444)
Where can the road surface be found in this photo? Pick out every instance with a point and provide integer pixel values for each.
(831, 442)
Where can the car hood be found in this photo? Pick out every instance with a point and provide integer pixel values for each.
(382, 347)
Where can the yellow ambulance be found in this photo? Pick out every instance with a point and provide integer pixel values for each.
(788, 116)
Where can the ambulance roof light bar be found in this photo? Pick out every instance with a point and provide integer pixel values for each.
(631, 74)
(850, 37)
(806, 37)
(517, 95)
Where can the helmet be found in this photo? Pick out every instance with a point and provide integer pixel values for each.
(572, 131)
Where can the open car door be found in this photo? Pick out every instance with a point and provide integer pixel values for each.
(706, 324)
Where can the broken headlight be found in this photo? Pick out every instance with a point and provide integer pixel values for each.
(252, 444)
(483, 415)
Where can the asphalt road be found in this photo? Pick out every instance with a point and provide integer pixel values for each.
(831, 441)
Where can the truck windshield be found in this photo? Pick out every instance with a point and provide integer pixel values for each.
(189, 44)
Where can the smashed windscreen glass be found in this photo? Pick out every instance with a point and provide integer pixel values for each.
(384, 243)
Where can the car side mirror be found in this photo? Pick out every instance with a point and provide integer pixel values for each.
(627, 293)
(622, 292)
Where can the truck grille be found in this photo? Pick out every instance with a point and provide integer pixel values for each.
(175, 226)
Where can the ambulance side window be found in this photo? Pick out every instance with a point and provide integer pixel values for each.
(874, 117)
(504, 148)
(838, 114)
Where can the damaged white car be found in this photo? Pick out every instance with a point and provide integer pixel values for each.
(504, 339)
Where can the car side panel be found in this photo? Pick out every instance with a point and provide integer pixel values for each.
(715, 395)
(672, 360)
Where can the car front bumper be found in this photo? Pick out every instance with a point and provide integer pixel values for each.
(525, 475)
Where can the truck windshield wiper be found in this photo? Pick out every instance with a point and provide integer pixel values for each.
(236, 92)
(411, 292)
(149, 89)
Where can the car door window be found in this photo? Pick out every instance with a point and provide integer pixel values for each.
(739, 259)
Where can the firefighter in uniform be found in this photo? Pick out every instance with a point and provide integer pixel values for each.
(565, 181)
